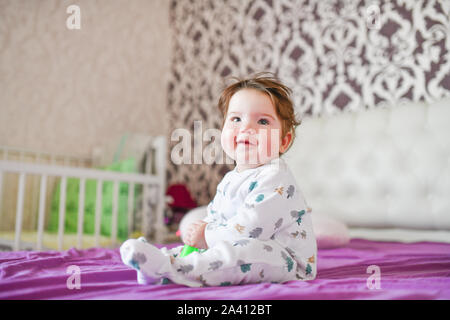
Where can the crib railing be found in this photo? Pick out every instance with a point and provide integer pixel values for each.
(36, 156)
(64, 173)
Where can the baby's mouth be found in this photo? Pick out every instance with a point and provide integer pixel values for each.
(245, 142)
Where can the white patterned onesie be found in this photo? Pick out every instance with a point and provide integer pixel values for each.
(259, 230)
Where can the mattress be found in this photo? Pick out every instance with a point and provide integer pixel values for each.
(402, 271)
(400, 234)
(50, 240)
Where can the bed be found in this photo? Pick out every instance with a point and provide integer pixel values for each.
(382, 175)
(407, 271)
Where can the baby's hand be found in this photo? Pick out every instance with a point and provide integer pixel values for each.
(195, 235)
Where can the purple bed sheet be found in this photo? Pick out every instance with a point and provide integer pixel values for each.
(406, 271)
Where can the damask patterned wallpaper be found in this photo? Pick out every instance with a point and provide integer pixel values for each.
(336, 55)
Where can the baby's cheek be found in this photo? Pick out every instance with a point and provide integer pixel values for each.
(269, 145)
(227, 141)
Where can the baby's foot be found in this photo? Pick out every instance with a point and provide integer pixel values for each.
(150, 263)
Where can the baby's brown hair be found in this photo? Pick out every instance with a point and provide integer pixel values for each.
(279, 94)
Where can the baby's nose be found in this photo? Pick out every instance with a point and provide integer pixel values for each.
(247, 127)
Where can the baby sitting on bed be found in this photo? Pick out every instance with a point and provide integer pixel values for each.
(258, 227)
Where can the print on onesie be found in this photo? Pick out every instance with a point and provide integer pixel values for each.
(259, 230)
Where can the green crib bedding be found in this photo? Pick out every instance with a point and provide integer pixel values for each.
(72, 194)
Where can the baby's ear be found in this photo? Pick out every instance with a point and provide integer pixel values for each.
(285, 142)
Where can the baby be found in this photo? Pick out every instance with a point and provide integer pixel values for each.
(258, 226)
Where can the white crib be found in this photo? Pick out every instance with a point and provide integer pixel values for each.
(152, 202)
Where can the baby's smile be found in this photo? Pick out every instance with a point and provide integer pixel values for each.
(246, 141)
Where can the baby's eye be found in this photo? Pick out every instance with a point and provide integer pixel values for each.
(263, 121)
(235, 119)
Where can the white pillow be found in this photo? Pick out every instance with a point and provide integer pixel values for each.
(330, 233)
(190, 217)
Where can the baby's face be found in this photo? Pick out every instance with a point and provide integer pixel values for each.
(251, 134)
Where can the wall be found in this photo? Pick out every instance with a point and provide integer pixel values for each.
(337, 56)
(67, 91)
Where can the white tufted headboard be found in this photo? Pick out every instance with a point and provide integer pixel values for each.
(380, 168)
